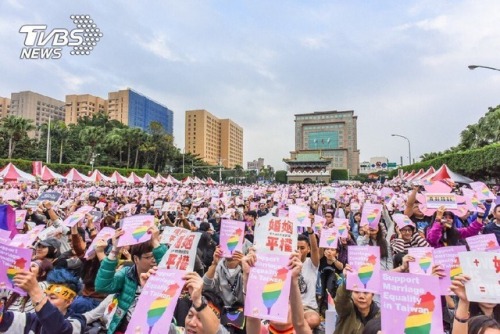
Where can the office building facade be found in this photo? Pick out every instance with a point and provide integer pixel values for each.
(83, 105)
(329, 136)
(36, 107)
(216, 141)
(4, 107)
(136, 110)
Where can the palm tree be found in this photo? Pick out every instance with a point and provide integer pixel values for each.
(61, 133)
(115, 138)
(16, 128)
(92, 136)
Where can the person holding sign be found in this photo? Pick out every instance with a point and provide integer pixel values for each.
(444, 233)
(374, 236)
(466, 311)
(296, 322)
(51, 306)
(309, 275)
(125, 282)
(354, 308)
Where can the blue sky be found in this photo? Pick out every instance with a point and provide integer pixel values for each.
(400, 65)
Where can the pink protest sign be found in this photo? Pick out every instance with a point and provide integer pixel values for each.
(268, 288)
(231, 237)
(371, 214)
(365, 263)
(410, 304)
(105, 234)
(20, 218)
(424, 260)
(482, 242)
(482, 191)
(447, 258)
(170, 206)
(155, 307)
(387, 194)
(402, 220)
(329, 237)
(13, 259)
(300, 215)
(23, 240)
(136, 230)
(5, 236)
(275, 234)
(74, 219)
(182, 254)
(484, 271)
(342, 225)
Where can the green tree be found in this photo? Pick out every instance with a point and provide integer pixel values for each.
(15, 128)
(281, 176)
(92, 137)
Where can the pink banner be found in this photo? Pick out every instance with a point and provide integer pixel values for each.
(182, 254)
(424, 260)
(329, 237)
(13, 259)
(365, 263)
(371, 215)
(136, 230)
(155, 307)
(273, 234)
(37, 168)
(268, 288)
(410, 304)
(482, 242)
(231, 237)
(447, 258)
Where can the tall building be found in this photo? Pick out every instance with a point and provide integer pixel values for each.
(4, 107)
(36, 107)
(214, 140)
(256, 164)
(136, 110)
(83, 105)
(324, 140)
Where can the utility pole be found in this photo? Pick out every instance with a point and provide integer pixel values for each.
(47, 159)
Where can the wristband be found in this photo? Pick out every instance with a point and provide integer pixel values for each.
(462, 321)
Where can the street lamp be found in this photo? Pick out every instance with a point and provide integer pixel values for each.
(409, 146)
(473, 67)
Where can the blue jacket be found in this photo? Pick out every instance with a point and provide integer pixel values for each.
(46, 321)
(492, 227)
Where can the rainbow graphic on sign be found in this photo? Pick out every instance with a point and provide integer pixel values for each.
(371, 217)
(301, 216)
(160, 304)
(342, 229)
(272, 289)
(14, 268)
(331, 238)
(474, 201)
(139, 232)
(455, 269)
(425, 262)
(419, 321)
(234, 240)
(365, 272)
(485, 191)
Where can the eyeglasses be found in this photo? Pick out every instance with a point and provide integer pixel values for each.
(406, 231)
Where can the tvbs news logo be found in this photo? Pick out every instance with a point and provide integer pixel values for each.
(41, 43)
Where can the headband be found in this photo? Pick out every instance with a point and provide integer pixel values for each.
(61, 291)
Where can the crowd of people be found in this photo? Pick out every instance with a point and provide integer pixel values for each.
(71, 290)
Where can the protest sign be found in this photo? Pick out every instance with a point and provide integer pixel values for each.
(20, 218)
(300, 215)
(231, 237)
(371, 215)
(435, 201)
(13, 259)
(387, 194)
(365, 264)
(482, 191)
(32, 204)
(328, 192)
(5, 236)
(157, 301)
(275, 234)
(136, 230)
(158, 204)
(423, 260)
(182, 254)
(484, 271)
(105, 234)
(74, 219)
(170, 206)
(171, 233)
(51, 196)
(402, 220)
(49, 232)
(342, 225)
(447, 258)
(247, 192)
(11, 194)
(268, 288)
(410, 304)
(482, 242)
(329, 238)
